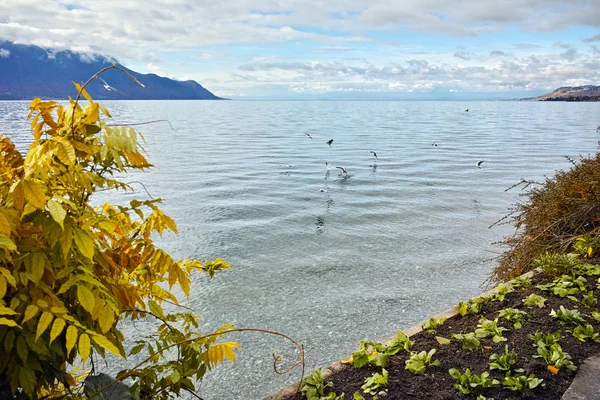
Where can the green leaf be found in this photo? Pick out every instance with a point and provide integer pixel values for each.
(155, 308)
(27, 380)
(57, 212)
(83, 242)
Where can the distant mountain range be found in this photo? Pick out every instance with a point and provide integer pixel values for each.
(27, 72)
(568, 93)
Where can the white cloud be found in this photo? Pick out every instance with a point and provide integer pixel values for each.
(155, 69)
(4, 53)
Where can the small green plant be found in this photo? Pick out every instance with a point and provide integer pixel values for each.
(521, 282)
(588, 269)
(522, 383)
(586, 332)
(587, 245)
(533, 300)
(504, 361)
(517, 317)
(313, 385)
(472, 383)
(565, 286)
(487, 328)
(417, 363)
(357, 396)
(554, 356)
(545, 339)
(433, 325)
(589, 300)
(469, 340)
(500, 295)
(378, 354)
(568, 317)
(374, 382)
(555, 264)
(332, 396)
(596, 315)
(473, 306)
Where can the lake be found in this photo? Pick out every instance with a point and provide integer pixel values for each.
(326, 260)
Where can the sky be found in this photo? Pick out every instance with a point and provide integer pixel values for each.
(346, 49)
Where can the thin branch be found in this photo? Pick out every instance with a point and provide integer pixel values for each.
(146, 123)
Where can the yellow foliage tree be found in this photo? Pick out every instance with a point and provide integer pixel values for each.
(69, 272)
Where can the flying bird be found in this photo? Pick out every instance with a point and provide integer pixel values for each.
(479, 164)
(328, 165)
(434, 144)
(310, 137)
(329, 142)
(108, 87)
(466, 110)
(323, 190)
(375, 154)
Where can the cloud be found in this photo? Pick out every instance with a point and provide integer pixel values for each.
(4, 53)
(462, 54)
(595, 38)
(155, 69)
(498, 53)
(523, 46)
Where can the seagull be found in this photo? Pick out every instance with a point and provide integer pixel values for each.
(310, 137)
(107, 86)
(323, 190)
(375, 154)
(329, 142)
(328, 165)
(466, 110)
(344, 172)
(479, 164)
(434, 144)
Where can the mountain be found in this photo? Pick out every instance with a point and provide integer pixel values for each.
(568, 93)
(27, 72)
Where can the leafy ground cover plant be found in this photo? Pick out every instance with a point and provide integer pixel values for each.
(521, 282)
(568, 317)
(589, 300)
(555, 264)
(500, 295)
(313, 385)
(472, 306)
(378, 354)
(432, 325)
(565, 286)
(534, 300)
(468, 383)
(586, 332)
(516, 316)
(469, 340)
(487, 328)
(418, 362)
(555, 357)
(375, 382)
(522, 383)
(504, 361)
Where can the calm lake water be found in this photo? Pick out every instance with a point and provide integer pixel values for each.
(402, 238)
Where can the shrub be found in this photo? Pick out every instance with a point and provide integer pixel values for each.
(555, 213)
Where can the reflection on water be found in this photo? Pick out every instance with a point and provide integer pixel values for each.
(404, 237)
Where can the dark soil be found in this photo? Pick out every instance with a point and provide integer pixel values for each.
(436, 383)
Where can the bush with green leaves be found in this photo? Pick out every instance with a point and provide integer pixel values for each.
(487, 328)
(504, 361)
(468, 383)
(516, 316)
(419, 362)
(522, 383)
(469, 340)
(432, 325)
(534, 300)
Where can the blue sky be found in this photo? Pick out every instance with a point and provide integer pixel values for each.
(296, 49)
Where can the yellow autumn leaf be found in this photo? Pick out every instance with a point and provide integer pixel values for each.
(83, 242)
(7, 311)
(34, 193)
(71, 338)
(43, 324)
(7, 244)
(9, 278)
(84, 346)
(5, 228)
(217, 353)
(107, 318)
(83, 92)
(57, 328)
(30, 312)
(57, 212)
(2, 286)
(106, 344)
(86, 298)
(8, 322)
